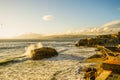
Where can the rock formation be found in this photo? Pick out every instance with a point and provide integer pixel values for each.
(113, 65)
(103, 40)
(44, 52)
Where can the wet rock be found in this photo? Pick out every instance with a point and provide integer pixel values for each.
(95, 56)
(113, 65)
(44, 52)
(103, 40)
(91, 73)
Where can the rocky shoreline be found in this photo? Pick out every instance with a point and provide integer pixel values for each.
(107, 55)
(110, 40)
(71, 64)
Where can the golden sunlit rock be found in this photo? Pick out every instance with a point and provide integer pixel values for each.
(44, 52)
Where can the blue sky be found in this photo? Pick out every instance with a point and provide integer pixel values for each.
(26, 16)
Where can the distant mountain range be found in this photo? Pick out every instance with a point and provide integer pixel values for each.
(57, 36)
(29, 36)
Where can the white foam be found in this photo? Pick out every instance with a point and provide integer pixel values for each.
(31, 47)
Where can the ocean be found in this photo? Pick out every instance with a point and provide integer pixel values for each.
(68, 65)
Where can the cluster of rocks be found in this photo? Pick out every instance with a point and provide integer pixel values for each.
(91, 73)
(103, 40)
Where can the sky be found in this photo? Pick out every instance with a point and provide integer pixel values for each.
(55, 16)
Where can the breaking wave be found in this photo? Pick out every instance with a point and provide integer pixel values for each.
(31, 47)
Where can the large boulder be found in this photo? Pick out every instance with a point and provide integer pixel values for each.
(44, 52)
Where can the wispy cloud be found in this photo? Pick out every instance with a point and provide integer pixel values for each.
(113, 26)
(110, 27)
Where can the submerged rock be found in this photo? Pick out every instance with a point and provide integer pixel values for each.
(44, 52)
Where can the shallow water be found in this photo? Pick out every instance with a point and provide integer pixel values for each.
(66, 66)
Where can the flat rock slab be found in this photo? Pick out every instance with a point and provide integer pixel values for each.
(104, 75)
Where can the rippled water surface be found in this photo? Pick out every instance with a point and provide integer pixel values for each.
(66, 66)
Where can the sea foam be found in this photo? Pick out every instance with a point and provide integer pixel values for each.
(31, 47)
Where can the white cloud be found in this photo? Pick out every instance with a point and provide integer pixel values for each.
(107, 28)
(110, 27)
(48, 17)
(113, 24)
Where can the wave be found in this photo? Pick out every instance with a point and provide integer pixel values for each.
(31, 47)
(62, 50)
(15, 47)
